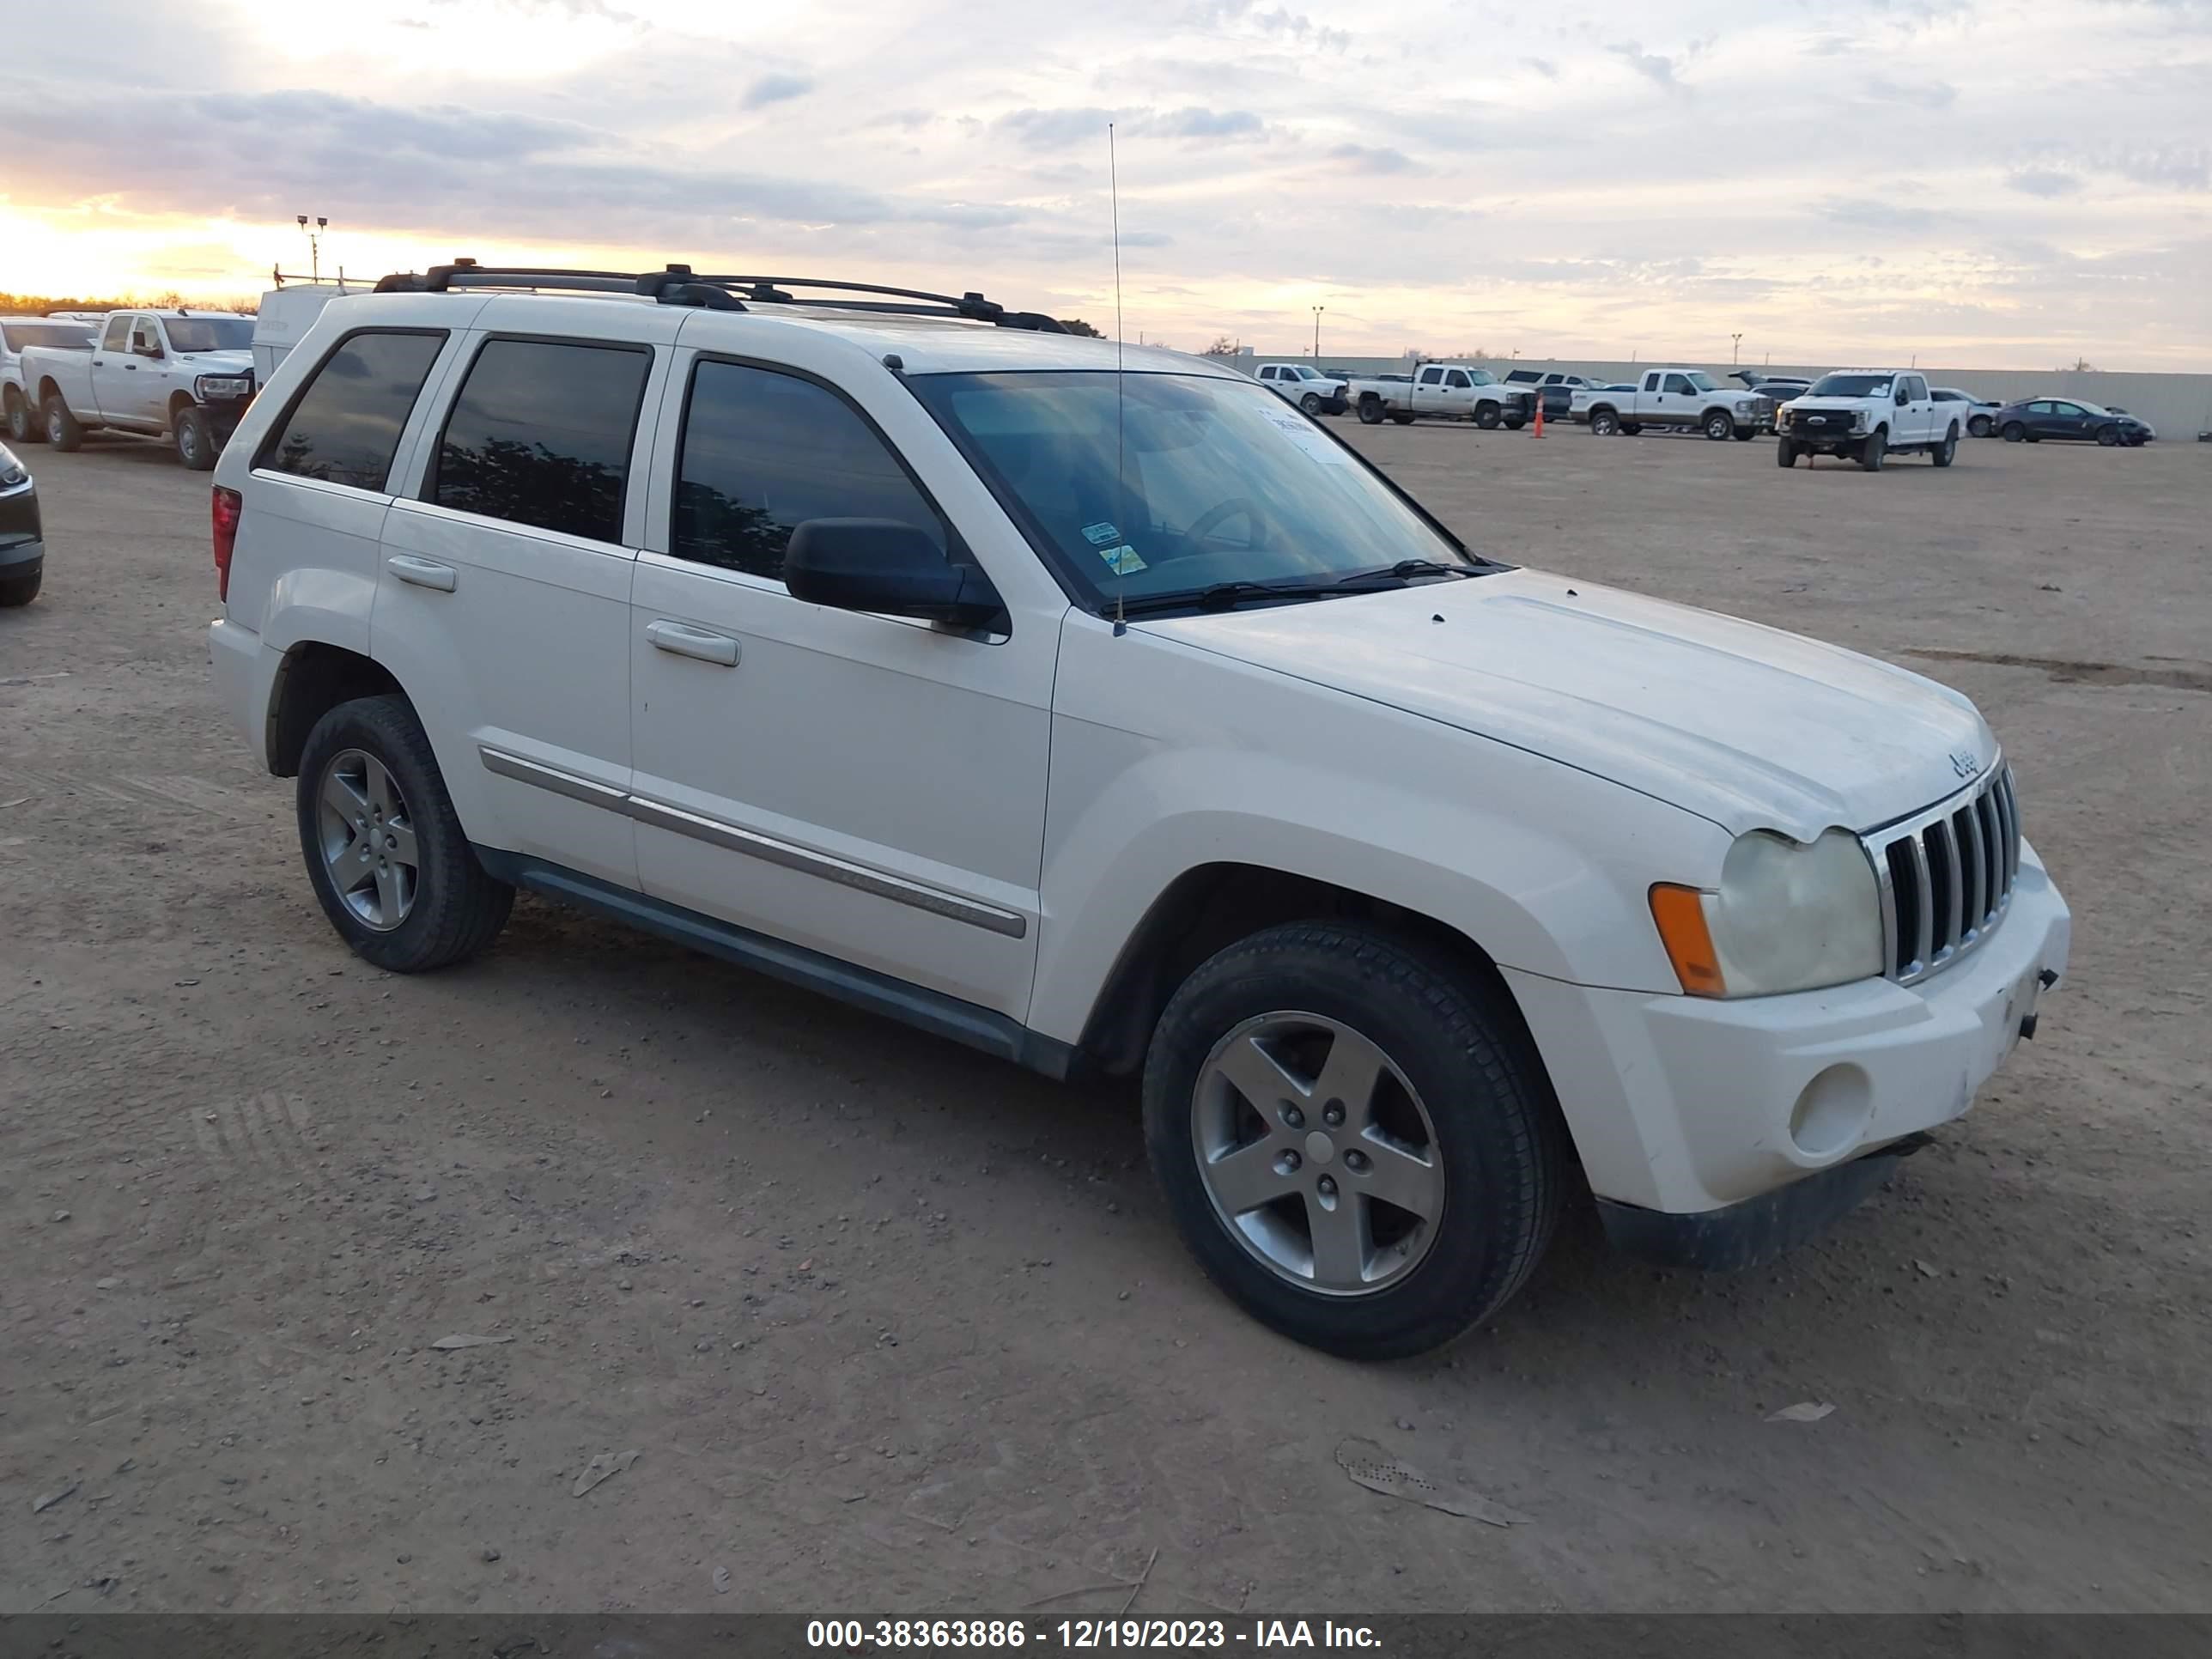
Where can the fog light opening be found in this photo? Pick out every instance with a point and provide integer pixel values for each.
(1832, 1112)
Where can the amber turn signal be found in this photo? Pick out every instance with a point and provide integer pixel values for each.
(1680, 913)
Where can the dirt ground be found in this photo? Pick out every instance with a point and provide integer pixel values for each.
(892, 1328)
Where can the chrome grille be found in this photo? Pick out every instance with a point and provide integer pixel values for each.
(1945, 876)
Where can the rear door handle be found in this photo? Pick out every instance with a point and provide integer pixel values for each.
(420, 573)
(687, 642)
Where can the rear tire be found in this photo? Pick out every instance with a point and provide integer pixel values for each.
(1785, 453)
(195, 440)
(23, 419)
(1370, 411)
(1872, 452)
(2014, 432)
(1947, 452)
(1463, 1119)
(1487, 417)
(1603, 423)
(1720, 427)
(63, 431)
(447, 908)
(21, 590)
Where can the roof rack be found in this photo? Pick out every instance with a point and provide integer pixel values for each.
(678, 285)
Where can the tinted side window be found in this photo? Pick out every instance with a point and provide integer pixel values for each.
(345, 427)
(763, 452)
(1456, 379)
(541, 435)
(1678, 383)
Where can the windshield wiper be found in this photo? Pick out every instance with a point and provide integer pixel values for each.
(1406, 568)
(1224, 596)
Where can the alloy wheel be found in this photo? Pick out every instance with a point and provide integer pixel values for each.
(1318, 1155)
(366, 839)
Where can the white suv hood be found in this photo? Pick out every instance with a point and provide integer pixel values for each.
(1748, 726)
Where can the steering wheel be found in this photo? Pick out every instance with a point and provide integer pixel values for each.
(1204, 523)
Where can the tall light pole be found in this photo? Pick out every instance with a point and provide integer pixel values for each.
(1736, 351)
(314, 245)
(1317, 311)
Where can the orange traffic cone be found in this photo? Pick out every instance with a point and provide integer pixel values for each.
(1539, 414)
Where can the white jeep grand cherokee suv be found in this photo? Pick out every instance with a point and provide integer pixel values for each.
(1421, 890)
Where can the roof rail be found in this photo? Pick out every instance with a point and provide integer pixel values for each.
(678, 284)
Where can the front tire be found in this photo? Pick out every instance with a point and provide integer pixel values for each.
(1980, 425)
(63, 431)
(195, 440)
(1631, 428)
(385, 850)
(1785, 453)
(1311, 404)
(1744, 434)
(1301, 1075)
(1719, 426)
(1872, 452)
(2014, 432)
(2108, 437)
(1514, 423)
(1403, 420)
(23, 419)
(1486, 415)
(1947, 452)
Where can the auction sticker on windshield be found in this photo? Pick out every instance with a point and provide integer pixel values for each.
(1302, 432)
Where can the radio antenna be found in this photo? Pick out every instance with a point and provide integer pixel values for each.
(1120, 484)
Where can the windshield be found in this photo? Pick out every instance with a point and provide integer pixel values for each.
(1218, 481)
(68, 337)
(1482, 377)
(209, 333)
(1703, 381)
(1852, 385)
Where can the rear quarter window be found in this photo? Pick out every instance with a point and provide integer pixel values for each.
(344, 428)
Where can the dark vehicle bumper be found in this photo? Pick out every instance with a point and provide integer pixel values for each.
(22, 548)
(225, 413)
(1336, 405)
(1758, 1230)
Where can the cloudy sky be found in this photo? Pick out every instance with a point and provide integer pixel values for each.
(1987, 183)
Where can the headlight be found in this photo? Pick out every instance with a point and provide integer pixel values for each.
(1788, 917)
(12, 472)
(223, 386)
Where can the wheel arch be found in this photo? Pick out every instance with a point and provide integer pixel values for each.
(180, 399)
(1210, 906)
(312, 678)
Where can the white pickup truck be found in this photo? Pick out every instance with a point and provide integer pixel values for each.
(18, 404)
(184, 376)
(1442, 392)
(1679, 398)
(1306, 385)
(1868, 415)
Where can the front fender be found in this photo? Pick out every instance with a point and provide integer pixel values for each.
(1544, 867)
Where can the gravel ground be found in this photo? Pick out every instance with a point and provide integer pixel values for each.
(889, 1326)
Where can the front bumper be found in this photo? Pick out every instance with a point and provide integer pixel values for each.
(1820, 440)
(22, 544)
(225, 413)
(1686, 1106)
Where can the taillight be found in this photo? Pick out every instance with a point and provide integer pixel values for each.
(228, 507)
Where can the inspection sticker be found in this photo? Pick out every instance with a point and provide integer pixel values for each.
(1302, 432)
(1123, 559)
(1101, 535)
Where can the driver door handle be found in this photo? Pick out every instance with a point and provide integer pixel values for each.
(680, 640)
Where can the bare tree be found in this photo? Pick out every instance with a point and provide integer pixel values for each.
(1222, 346)
(1077, 325)
(2079, 365)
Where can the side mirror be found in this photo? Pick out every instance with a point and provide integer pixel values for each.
(1901, 398)
(890, 567)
